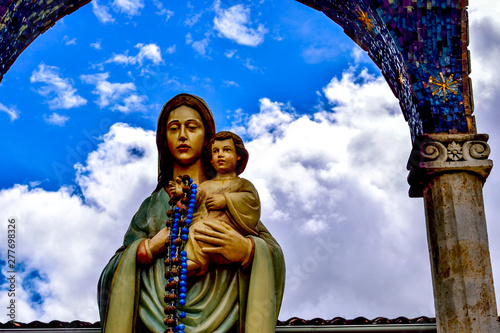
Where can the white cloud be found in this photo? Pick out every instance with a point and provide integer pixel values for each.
(68, 41)
(56, 119)
(132, 103)
(192, 20)
(121, 59)
(97, 45)
(163, 11)
(60, 90)
(248, 64)
(484, 19)
(277, 35)
(65, 241)
(229, 83)
(129, 7)
(171, 49)
(234, 23)
(271, 120)
(189, 38)
(327, 50)
(115, 93)
(230, 53)
(201, 45)
(133, 150)
(167, 13)
(102, 13)
(314, 54)
(360, 56)
(11, 111)
(151, 52)
(334, 194)
(485, 49)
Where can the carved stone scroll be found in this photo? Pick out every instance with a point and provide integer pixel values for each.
(438, 153)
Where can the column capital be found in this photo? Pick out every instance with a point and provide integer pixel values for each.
(433, 154)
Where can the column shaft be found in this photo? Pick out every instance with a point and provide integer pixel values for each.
(460, 258)
(448, 171)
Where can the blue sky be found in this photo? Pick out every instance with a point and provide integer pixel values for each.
(160, 52)
(328, 148)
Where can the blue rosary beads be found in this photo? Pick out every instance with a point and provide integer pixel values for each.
(176, 260)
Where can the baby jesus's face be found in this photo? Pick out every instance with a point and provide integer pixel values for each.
(224, 156)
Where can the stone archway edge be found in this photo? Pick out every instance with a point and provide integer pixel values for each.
(21, 22)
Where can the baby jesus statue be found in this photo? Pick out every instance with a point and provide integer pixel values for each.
(226, 199)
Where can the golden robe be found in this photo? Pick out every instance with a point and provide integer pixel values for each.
(242, 213)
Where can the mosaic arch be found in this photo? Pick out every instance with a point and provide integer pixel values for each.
(421, 47)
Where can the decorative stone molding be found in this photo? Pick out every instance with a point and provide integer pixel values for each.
(433, 154)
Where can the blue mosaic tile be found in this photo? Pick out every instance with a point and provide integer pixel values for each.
(421, 49)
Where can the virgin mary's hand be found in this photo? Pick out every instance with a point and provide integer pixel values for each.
(157, 243)
(226, 242)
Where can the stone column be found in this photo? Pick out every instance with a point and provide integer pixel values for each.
(448, 171)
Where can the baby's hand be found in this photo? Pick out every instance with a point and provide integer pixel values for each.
(175, 188)
(216, 202)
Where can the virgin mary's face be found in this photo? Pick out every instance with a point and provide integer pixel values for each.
(185, 135)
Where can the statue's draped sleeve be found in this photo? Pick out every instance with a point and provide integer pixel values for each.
(243, 206)
(119, 279)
